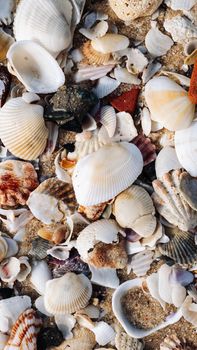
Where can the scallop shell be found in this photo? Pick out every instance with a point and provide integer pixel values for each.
(105, 86)
(88, 143)
(67, 294)
(110, 43)
(108, 119)
(146, 147)
(124, 342)
(51, 201)
(83, 339)
(7, 8)
(34, 67)
(169, 103)
(141, 262)
(40, 275)
(3, 248)
(22, 176)
(39, 248)
(24, 136)
(157, 43)
(6, 41)
(166, 160)
(94, 57)
(171, 204)
(180, 28)
(134, 209)
(24, 332)
(185, 146)
(94, 184)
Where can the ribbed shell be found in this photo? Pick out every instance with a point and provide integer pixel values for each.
(3, 248)
(94, 57)
(108, 119)
(88, 145)
(124, 342)
(102, 175)
(22, 128)
(141, 262)
(67, 294)
(157, 43)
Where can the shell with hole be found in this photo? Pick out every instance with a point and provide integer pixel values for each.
(102, 175)
(34, 67)
(166, 160)
(22, 127)
(157, 43)
(169, 103)
(24, 332)
(6, 41)
(171, 204)
(52, 201)
(134, 209)
(67, 294)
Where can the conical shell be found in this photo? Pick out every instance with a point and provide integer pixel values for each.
(6, 41)
(67, 294)
(110, 43)
(169, 103)
(166, 160)
(102, 175)
(94, 57)
(24, 332)
(134, 209)
(46, 21)
(170, 203)
(189, 311)
(185, 146)
(22, 128)
(124, 342)
(34, 67)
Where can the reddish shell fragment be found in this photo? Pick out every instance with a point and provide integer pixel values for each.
(127, 101)
(146, 147)
(193, 85)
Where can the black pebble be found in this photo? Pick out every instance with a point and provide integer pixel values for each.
(47, 337)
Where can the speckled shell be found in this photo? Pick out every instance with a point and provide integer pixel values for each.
(124, 342)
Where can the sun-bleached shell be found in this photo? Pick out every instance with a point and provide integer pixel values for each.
(105, 86)
(141, 262)
(86, 72)
(99, 30)
(157, 43)
(110, 43)
(7, 8)
(6, 41)
(123, 76)
(136, 61)
(34, 67)
(166, 160)
(125, 128)
(108, 119)
(134, 209)
(67, 294)
(189, 311)
(3, 248)
(152, 283)
(146, 121)
(124, 342)
(180, 28)
(89, 142)
(169, 103)
(83, 339)
(106, 277)
(94, 184)
(22, 127)
(40, 275)
(65, 324)
(104, 333)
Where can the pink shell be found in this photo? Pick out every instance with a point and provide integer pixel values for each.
(146, 147)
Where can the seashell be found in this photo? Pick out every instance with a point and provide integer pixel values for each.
(178, 78)
(51, 201)
(152, 283)
(3, 340)
(24, 332)
(190, 50)
(92, 72)
(91, 311)
(56, 234)
(129, 328)
(141, 262)
(12, 247)
(136, 61)
(178, 295)
(65, 324)
(180, 28)
(7, 8)
(106, 277)
(40, 275)
(185, 141)
(124, 342)
(9, 270)
(39, 248)
(93, 212)
(108, 256)
(72, 264)
(108, 119)
(169, 103)
(189, 311)
(170, 203)
(5, 81)
(123, 76)
(146, 121)
(27, 139)
(134, 209)
(11, 309)
(3, 248)
(15, 219)
(91, 18)
(34, 67)
(22, 176)
(25, 268)
(83, 339)
(99, 30)
(188, 189)
(110, 43)
(181, 4)
(165, 289)
(180, 276)
(157, 43)
(104, 333)
(116, 159)
(39, 304)
(59, 252)
(94, 57)
(171, 343)
(105, 86)
(150, 71)
(61, 172)
(88, 143)
(155, 237)
(146, 147)
(128, 10)
(52, 138)
(67, 294)
(6, 41)
(166, 160)
(125, 128)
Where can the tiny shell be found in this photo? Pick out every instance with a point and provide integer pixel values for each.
(136, 61)
(99, 30)
(157, 43)
(105, 86)
(180, 28)
(92, 72)
(124, 342)
(94, 57)
(166, 160)
(146, 147)
(141, 262)
(110, 43)
(6, 41)
(40, 274)
(104, 333)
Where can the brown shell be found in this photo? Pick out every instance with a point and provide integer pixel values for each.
(146, 147)
(94, 57)
(93, 212)
(108, 255)
(172, 342)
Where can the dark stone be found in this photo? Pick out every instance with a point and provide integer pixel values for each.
(5, 81)
(47, 337)
(6, 293)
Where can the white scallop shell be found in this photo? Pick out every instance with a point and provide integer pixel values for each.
(180, 28)
(89, 142)
(7, 8)
(67, 294)
(105, 86)
(34, 67)
(185, 146)
(110, 43)
(157, 43)
(189, 311)
(166, 160)
(22, 128)
(104, 277)
(102, 175)
(40, 275)
(125, 128)
(92, 72)
(141, 262)
(169, 103)
(123, 76)
(134, 209)
(108, 119)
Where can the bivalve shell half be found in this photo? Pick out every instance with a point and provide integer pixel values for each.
(102, 175)
(110, 43)
(67, 294)
(157, 43)
(189, 311)
(22, 128)
(3, 248)
(108, 119)
(124, 342)
(83, 339)
(169, 103)
(141, 262)
(166, 160)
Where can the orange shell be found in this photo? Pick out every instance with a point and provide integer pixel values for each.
(94, 57)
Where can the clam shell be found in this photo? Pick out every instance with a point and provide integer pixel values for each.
(134, 209)
(40, 275)
(3, 248)
(83, 339)
(189, 311)
(166, 160)
(88, 143)
(92, 72)
(94, 57)
(170, 203)
(25, 137)
(104, 277)
(125, 128)
(105, 86)
(24, 332)
(94, 185)
(124, 342)
(110, 43)
(180, 28)
(169, 103)
(34, 67)
(67, 294)
(108, 119)
(6, 41)
(152, 283)
(141, 262)
(157, 43)
(7, 8)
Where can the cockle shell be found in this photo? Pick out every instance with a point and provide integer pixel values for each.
(94, 57)
(185, 146)
(6, 41)
(124, 342)
(51, 201)
(67, 294)
(180, 28)
(105, 86)
(24, 332)
(110, 43)
(157, 43)
(189, 311)
(83, 339)
(108, 119)
(22, 128)
(171, 204)
(102, 175)
(7, 8)
(88, 143)
(17, 180)
(141, 262)
(86, 72)
(134, 209)
(34, 67)
(169, 103)
(166, 160)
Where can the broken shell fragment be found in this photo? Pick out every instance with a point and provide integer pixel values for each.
(40, 275)
(157, 43)
(141, 262)
(181, 28)
(6, 41)
(189, 311)
(166, 161)
(124, 342)
(7, 8)
(83, 339)
(110, 43)
(3, 248)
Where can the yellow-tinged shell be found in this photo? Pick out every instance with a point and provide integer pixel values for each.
(110, 42)
(6, 41)
(94, 57)
(169, 103)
